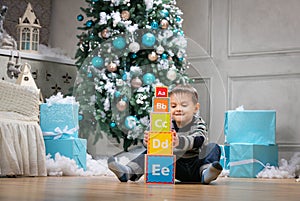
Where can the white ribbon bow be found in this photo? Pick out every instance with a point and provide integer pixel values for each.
(58, 132)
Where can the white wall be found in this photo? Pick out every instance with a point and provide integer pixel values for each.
(63, 29)
(249, 55)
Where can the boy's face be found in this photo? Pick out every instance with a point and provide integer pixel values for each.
(183, 108)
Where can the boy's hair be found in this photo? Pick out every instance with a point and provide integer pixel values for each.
(185, 89)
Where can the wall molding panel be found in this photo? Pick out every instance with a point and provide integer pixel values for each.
(259, 27)
(270, 92)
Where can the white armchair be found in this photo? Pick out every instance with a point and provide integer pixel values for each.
(22, 148)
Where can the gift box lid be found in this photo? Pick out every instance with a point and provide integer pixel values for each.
(250, 126)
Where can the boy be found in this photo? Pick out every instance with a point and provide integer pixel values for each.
(196, 161)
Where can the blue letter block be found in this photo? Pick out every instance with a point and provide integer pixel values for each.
(160, 169)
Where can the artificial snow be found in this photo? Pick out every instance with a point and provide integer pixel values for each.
(53, 52)
(59, 99)
(63, 166)
(286, 169)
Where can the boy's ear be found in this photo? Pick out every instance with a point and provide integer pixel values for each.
(197, 107)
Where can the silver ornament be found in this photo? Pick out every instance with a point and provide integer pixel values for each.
(136, 82)
(134, 47)
(160, 49)
(171, 75)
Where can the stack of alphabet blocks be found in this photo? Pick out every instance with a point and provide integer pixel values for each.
(250, 137)
(159, 160)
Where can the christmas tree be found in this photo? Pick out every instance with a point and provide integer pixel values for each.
(126, 49)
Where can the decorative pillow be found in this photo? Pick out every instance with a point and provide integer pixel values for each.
(20, 99)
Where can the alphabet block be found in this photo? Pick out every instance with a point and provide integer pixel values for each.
(161, 104)
(161, 92)
(160, 169)
(160, 143)
(160, 122)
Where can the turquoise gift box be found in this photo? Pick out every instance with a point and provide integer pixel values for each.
(225, 159)
(250, 126)
(247, 160)
(59, 121)
(71, 148)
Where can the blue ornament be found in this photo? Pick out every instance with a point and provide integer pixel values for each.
(89, 23)
(148, 78)
(164, 13)
(112, 124)
(148, 39)
(117, 94)
(80, 17)
(130, 122)
(181, 33)
(178, 19)
(133, 56)
(90, 75)
(124, 77)
(119, 43)
(164, 56)
(154, 25)
(125, 99)
(97, 62)
(80, 117)
(175, 31)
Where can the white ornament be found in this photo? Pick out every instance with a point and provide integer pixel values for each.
(171, 75)
(160, 49)
(134, 47)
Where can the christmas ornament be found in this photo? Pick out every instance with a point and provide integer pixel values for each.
(89, 75)
(134, 47)
(119, 43)
(164, 13)
(125, 15)
(154, 25)
(112, 124)
(97, 62)
(148, 39)
(148, 78)
(164, 24)
(111, 67)
(124, 77)
(164, 56)
(130, 122)
(80, 17)
(136, 82)
(152, 56)
(89, 23)
(117, 94)
(160, 49)
(121, 105)
(171, 75)
(105, 33)
(80, 117)
(133, 56)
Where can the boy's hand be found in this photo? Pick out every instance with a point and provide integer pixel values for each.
(146, 137)
(175, 139)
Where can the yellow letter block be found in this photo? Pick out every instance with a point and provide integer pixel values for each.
(160, 143)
